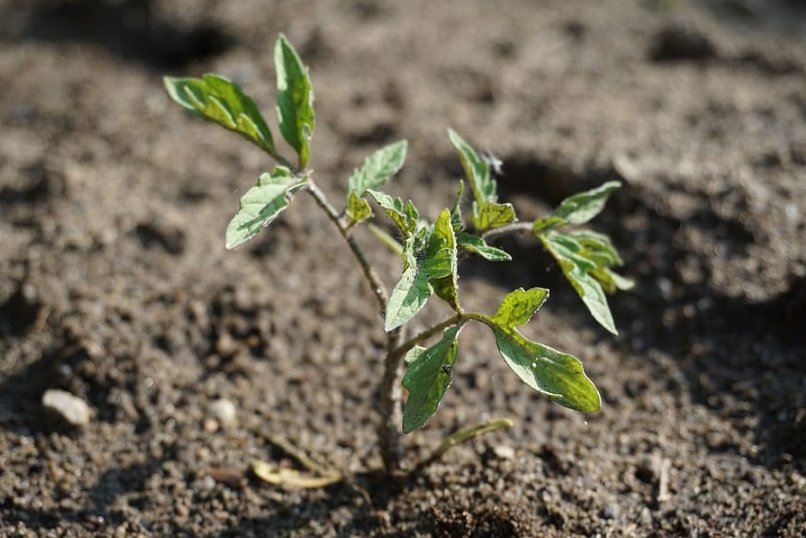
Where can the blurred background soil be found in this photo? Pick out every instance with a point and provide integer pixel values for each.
(115, 286)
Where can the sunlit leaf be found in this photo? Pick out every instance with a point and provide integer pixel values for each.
(358, 210)
(404, 215)
(518, 307)
(579, 270)
(427, 270)
(440, 256)
(557, 375)
(261, 205)
(456, 212)
(378, 168)
(577, 209)
(490, 215)
(219, 100)
(477, 245)
(476, 169)
(294, 99)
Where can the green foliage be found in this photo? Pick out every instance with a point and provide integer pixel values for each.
(294, 99)
(518, 307)
(479, 246)
(404, 216)
(429, 251)
(358, 209)
(557, 375)
(440, 257)
(585, 257)
(378, 168)
(429, 266)
(219, 100)
(487, 213)
(577, 209)
(427, 378)
(261, 205)
(374, 173)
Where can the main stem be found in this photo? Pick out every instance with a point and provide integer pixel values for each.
(369, 272)
(391, 394)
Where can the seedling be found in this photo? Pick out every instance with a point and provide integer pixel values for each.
(430, 253)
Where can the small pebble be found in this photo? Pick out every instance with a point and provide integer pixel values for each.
(70, 409)
(210, 425)
(224, 411)
(504, 452)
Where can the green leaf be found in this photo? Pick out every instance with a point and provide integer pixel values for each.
(261, 205)
(578, 269)
(294, 99)
(577, 209)
(378, 168)
(518, 307)
(440, 257)
(405, 216)
(426, 270)
(219, 100)
(557, 375)
(476, 169)
(409, 297)
(597, 247)
(478, 246)
(358, 210)
(427, 378)
(489, 215)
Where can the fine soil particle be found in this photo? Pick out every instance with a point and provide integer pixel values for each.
(115, 286)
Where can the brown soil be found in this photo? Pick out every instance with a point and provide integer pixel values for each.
(114, 283)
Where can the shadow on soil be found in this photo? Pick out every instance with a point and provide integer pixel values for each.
(131, 29)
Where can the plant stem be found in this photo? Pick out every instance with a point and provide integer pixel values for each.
(389, 407)
(391, 393)
(426, 334)
(369, 272)
(509, 229)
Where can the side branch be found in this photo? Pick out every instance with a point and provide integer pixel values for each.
(369, 272)
(426, 334)
(509, 229)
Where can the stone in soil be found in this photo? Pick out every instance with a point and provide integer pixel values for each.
(70, 409)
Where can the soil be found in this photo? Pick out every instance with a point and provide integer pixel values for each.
(115, 286)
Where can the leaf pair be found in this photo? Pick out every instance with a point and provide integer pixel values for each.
(221, 101)
(557, 375)
(216, 99)
(487, 212)
(585, 257)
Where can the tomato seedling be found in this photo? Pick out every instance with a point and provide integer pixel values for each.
(430, 253)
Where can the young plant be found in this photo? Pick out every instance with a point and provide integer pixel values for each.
(430, 253)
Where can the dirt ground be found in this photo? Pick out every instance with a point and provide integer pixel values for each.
(114, 283)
